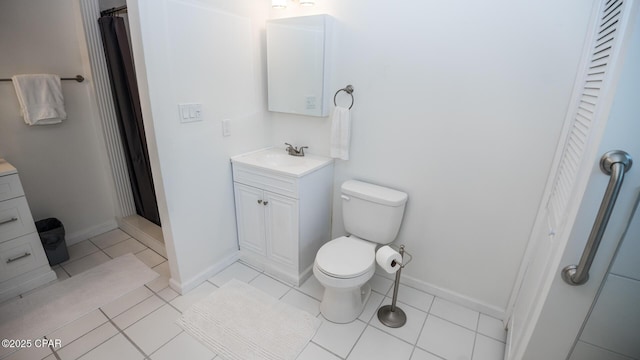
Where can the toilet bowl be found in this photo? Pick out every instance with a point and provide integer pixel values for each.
(372, 215)
(344, 266)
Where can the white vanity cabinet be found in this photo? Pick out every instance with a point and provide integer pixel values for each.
(283, 217)
(23, 263)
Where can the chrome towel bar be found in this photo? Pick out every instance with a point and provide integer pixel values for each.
(615, 163)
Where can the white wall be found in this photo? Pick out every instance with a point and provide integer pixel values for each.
(62, 167)
(460, 104)
(207, 52)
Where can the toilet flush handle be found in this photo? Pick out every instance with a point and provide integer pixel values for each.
(345, 197)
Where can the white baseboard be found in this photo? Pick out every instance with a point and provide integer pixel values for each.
(190, 284)
(144, 231)
(466, 301)
(84, 234)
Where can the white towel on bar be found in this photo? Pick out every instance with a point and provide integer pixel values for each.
(40, 97)
(340, 133)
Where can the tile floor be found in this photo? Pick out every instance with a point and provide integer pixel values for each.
(141, 324)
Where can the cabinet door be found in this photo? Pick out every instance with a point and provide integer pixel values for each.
(281, 220)
(250, 217)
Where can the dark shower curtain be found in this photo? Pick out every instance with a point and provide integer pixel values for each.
(127, 105)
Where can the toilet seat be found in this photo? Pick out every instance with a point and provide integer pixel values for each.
(346, 257)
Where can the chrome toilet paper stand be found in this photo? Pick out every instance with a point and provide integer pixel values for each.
(391, 315)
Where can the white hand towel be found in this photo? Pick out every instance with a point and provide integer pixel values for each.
(40, 98)
(340, 133)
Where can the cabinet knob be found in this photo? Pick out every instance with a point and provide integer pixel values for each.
(259, 201)
(265, 203)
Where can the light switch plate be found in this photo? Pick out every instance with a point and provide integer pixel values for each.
(189, 112)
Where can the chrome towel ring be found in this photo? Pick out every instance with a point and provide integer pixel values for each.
(348, 90)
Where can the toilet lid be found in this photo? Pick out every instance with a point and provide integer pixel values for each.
(346, 257)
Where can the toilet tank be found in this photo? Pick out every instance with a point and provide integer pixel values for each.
(372, 212)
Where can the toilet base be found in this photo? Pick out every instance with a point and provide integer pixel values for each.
(344, 305)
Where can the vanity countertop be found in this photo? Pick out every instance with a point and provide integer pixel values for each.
(6, 168)
(276, 159)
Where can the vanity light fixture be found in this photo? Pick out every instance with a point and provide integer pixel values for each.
(282, 4)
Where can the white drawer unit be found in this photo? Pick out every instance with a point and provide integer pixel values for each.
(10, 187)
(23, 262)
(21, 255)
(15, 219)
(283, 213)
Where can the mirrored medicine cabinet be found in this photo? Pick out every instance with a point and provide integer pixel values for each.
(298, 64)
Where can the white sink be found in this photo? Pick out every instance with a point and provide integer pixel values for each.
(279, 160)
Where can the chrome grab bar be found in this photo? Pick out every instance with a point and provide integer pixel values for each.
(615, 163)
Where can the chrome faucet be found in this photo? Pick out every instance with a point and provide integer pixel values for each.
(294, 151)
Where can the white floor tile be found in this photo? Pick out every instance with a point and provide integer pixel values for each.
(85, 263)
(371, 307)
(138, 312)
(302, 301)
(118, 347)
(419, 354)
(338, 338)
(446, 339)
(492, 328)
(127, 301)
(377, 345)
(455, 313)
(414, 297)
(81, 249)
(79, 327)
(236, 271)
(163, 269)
(184, 302)
(158, 283)
(150, 258)
(155, 329)
(315, 352)
(410, 331)
(124, 247)
(30, 354)
(60, 273)
(183, 346)
(87, 342)
(168, 294)
(110, 238)
(270, 285)
(312, 288)
(487, 348)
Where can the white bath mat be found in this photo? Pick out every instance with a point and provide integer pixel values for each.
(240, 322)
(45, 310)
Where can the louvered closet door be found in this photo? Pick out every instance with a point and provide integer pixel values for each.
(570, 194)
(585, 111)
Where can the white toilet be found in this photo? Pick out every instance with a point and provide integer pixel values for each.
(372, 215)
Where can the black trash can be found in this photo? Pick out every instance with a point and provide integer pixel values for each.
(51, 233)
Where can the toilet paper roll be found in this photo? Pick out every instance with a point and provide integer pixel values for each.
(388, 259)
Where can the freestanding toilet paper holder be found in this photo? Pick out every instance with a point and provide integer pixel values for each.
(391, 315)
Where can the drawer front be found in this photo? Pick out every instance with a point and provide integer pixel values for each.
(15, 219)
(21, 255)
(279, 184)
(10, 187)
